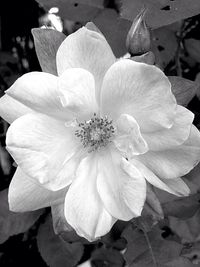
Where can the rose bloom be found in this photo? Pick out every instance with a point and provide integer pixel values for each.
(89, 139)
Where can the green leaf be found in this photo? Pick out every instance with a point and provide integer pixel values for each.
(149, 249)
(47, 42)
(164, 45)
(193, 48)
(72, 237)
(54, 250)
(96, 3)
(197, 80)
(107, 257)
(92, 27)
(160, 13)
(184, 207)
(183, 89)
(81, 10)
(152, 205)
(113, 238)
(192, 253)
(193, 179)
(12, 223)
(187, 229)
(5, 161)
(180, 262)
(114, 29)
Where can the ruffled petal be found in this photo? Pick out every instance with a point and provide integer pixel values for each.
(176, 161)
(176, 135)
(88, 50)
(179, 186)
(11, 109)
(84, 210)
(180, 189)
(45, 149)
(121, 188)
(39, 91)
(77, 93)
(140, 90)
(26, 195)
(129, 140)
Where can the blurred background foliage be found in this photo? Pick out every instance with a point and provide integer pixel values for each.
(175, 30)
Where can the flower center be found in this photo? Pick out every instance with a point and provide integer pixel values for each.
(95, 133)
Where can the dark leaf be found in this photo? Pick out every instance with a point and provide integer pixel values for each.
(72, 237)
(180, 262)
(164, 45)
(47, 42)
(183, 89)
(97, 3)
(148, 249)
(193, 48)
(188, 230)
(183, 207)
(54, 250)
(12, 223)
(92, 27)
(113, 238)
(81, 11)
(192, 253)
(115, 30)
(161, 12)
(197, 80)
(5, 161)
(107, 257)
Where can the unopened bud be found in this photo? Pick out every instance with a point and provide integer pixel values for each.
(138, 40)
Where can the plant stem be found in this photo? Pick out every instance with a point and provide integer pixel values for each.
(149, 245)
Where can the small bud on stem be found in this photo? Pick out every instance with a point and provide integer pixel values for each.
(138, 39)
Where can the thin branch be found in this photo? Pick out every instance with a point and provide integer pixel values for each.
(179, 35)
(149, 245)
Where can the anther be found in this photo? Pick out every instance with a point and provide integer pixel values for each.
(95, 133)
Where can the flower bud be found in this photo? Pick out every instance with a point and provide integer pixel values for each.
(138, 40)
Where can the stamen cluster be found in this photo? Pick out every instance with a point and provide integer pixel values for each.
(95, 133)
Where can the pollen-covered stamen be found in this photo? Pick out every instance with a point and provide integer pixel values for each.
(95, 133)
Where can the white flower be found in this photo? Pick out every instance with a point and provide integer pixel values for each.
(91, 137)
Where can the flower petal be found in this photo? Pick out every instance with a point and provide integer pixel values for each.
(39, 91)
(84, 210)
(176, 135)
(140, 90)
(59, 222)
(122, 190)
(88, 50)
(129, 139)
(161, 184)
(10, 109)
(178, 186)
(77, 93)
(26, 195)
(176, 161)
(45, 149)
